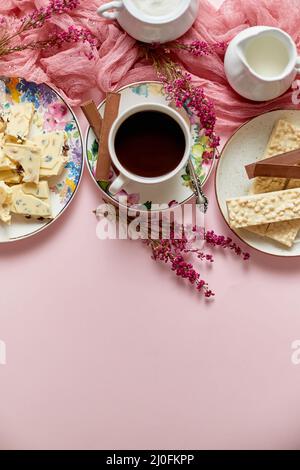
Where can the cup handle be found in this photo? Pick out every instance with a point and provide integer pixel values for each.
(298, 64)
(118, 185)
(110, 15)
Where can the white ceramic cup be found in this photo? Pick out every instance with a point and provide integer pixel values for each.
(148, 28)
(126, 176)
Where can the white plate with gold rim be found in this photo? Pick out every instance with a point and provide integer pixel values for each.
(246, 146)
(52, 113)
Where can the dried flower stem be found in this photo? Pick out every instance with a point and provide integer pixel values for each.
(37, 19)
(176, 252)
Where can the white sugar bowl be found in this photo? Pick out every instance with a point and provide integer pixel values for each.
(152, 21)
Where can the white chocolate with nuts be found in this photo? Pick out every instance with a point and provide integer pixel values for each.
(5, 202)
(264, 208)
(29, 157)
(53, 159)
(10, 177)
(285, 137)
(5, 163)
(31, 201)
(284, 232)
(19, 120)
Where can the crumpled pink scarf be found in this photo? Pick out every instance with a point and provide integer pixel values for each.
(117, 62)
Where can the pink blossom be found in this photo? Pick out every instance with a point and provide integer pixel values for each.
(175, 253)
(225, 242)
(37, 18)
(202, 48)
(207, 157)
(183, 93)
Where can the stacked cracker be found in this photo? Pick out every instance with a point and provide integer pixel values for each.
(271, 209)
(26, 165)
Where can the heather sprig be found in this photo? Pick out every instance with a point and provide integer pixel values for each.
(200, 48)
(176, 253)
(183, 93)
(225, 242)
(57, 39)
(36, 19)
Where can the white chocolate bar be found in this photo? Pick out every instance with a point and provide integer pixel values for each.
(284, 232)
(285, 137)
(259, 229)
(29, 157)
(264, 208)
(10, 177)
(40, 190)
(52, 157)
(5, 162)
(19, 120)
(31, 200)
(5, 202)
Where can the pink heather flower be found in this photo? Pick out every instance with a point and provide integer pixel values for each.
(74, 34)
(202, 48)
(207, 157)
(61, 6)
(182, 92)
(176, 252)
(173, 252)
(225, 242)
(178, 84)
(37, 18)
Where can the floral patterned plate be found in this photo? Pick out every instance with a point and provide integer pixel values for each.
(175, 191)
(52, 113)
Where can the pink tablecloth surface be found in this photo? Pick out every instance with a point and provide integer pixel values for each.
(106, 350)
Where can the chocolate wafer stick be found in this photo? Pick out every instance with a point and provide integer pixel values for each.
(110, 114)
(285, 165)
(93, 116)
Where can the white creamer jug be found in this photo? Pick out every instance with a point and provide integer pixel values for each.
(261, 63)
(152, 21)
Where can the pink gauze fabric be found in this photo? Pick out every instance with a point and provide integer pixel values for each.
(117, 61)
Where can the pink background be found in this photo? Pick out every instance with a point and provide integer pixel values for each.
(105, 349)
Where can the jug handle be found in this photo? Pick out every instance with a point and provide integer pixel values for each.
(298, 64)
(110, 15)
